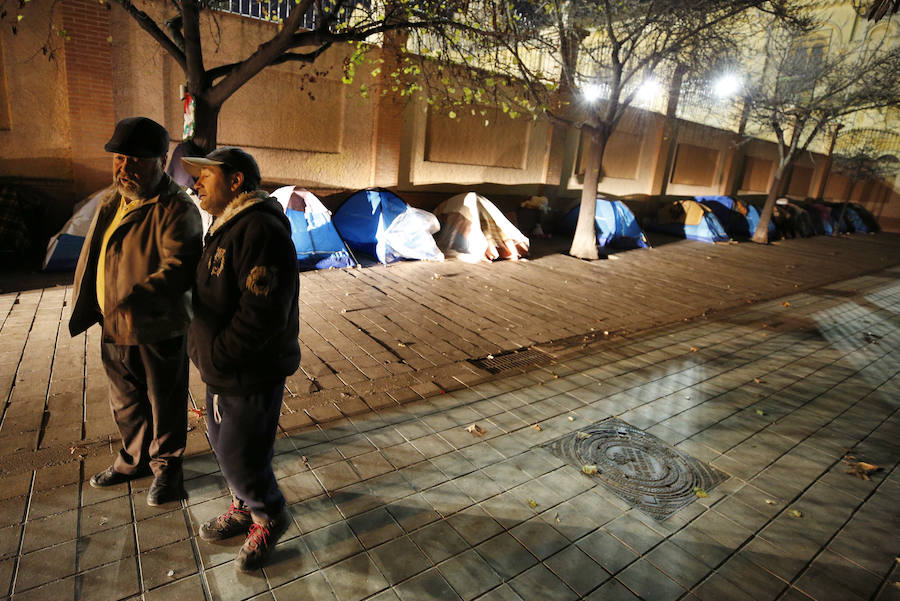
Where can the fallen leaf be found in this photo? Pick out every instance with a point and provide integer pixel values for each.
(556, 376)
(760, 412)
(556, 517)
(861, 469)
(694, 349)
(400, 344)
(571, 419)
(796, 513)
(476, 430)
(700, 492)
(582, 435)
(770, 502)
(785, 304)
(170, 573)
(537, 427)
(531, 503)
(758, 381)
(103, 520)
(590, 470)
(197, 412)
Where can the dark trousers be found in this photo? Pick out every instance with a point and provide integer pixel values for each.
(242, 430)
(148, 392)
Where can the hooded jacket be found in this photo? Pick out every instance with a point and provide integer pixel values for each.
(244, 336)
(150, 259)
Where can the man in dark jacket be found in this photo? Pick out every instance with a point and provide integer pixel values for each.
(134, 277)
(244, 341)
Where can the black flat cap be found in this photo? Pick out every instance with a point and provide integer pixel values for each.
(235, 158)
(139, 137)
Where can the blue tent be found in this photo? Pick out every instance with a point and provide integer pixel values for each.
(688, 219)
(316, 240)
(614, 225)
(737, 218)
(64, 247)
(379, 223)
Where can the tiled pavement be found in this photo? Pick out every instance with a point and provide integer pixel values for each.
(403, 503)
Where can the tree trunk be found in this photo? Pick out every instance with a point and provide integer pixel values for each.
(584, 245)
(761, 235)
(206, 124)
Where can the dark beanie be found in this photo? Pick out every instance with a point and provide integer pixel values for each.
(139, 137)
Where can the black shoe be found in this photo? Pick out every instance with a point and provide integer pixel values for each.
(110, 477)
(235, 521)
(261, 541)
(166, 488)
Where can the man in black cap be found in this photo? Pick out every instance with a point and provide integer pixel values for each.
(244, 341)
(134, 278)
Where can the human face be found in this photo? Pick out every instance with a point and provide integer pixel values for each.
(216, 189)
(135, 177)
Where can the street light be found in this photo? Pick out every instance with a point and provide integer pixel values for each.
(727, 85)
(649, 90)
(592, 92)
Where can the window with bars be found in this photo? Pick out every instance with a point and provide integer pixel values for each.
(278, 10)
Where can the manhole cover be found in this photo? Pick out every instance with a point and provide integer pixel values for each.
(512, 360)
(641, 469)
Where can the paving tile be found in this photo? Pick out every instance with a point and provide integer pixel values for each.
(44, 532)
(539, 537)
(332, 543)
(474, 524)
(355, 578)
(336, 475)
(478, 486)
(390, 487)
(422, 475)
(290, 559)
(755, 581)
(633, 533)
(453, 465)
(701, 545)
(315, 513)
(60, 590)
(506, 555)
(312, 586)
(177, 558)
(607, 550)
(355, 499)
(12, 511)
(678, 565)
(438, 541)
(105, 515)
(161, 530)
(370, 465)
(399, 559)
(107, 546)
(469, 575)
(114, 581)
(717, 587)
(228, 584)
(649, 583)
(374, 527)
(831, 577)
(581, 573)
(44, 565)
(447, 498)
(427, 586)
(51, 501)
(540, 584)
(412, 512)
(501, 593)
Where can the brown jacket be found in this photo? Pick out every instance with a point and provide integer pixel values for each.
(151, 258)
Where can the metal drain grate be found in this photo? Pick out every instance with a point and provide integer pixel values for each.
(646, 472)
(512, 360)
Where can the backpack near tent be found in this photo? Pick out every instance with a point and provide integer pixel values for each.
(614, 225)
(471, 224)
(65, 246)
(688, 219)
(379, 223)
(314, 236)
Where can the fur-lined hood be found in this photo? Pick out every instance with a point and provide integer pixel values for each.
(237, 206)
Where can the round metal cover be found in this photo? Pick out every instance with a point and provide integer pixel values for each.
(645, 471)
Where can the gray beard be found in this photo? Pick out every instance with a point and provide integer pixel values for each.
(132, 191)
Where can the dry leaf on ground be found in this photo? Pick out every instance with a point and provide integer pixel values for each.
(760, 412)
(582, 435)
(476, 430)
(785, 304)
(532, 503)
(796, 513)
(770, 502)
(537, 427)
(590, 470)
(694, 349)
(861, 469)
(700, 492)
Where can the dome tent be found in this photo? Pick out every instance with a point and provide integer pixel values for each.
(474, 226)
(379, 223)
(65, 246)
(314, 236)
(688, 219)
(615, 226)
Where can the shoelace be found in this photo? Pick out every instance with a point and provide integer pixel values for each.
(231, 511)
(257, 535)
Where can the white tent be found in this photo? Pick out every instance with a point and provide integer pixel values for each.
(474, 227)
(64, 247)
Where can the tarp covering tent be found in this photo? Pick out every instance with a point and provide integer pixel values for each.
(379, 223)
(867, 217)
(614, 225)
(65, 246)
(851, 221)
(688, 219)
(822, 222)
(472, 225)
(314, 236)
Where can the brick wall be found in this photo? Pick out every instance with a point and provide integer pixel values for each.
(89, 84)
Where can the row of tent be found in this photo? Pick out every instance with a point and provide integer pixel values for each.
(378, 223)
(373, 222)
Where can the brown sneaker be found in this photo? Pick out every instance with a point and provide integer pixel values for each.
(261, 541)
(235, 521)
